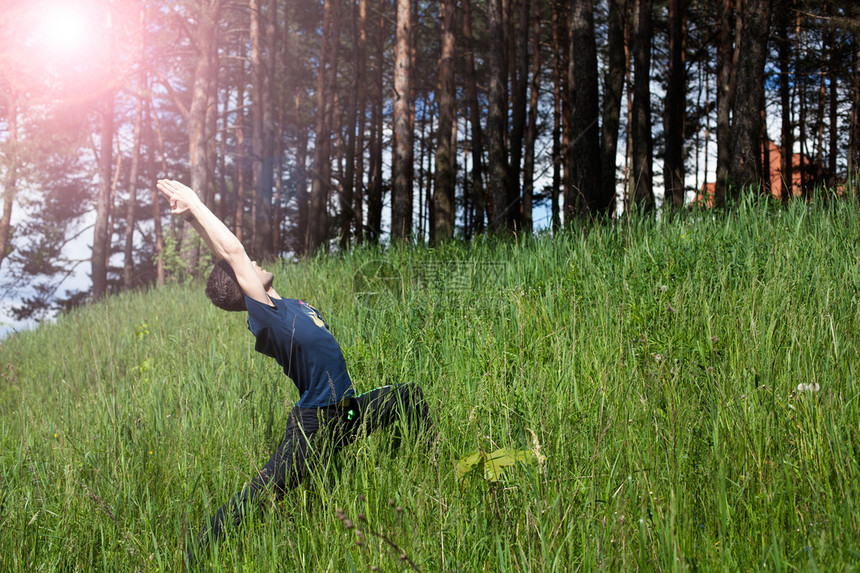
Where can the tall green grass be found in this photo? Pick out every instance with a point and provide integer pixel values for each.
(666, 371)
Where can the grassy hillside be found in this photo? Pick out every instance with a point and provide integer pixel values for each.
(689, 386)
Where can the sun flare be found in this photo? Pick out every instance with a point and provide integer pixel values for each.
(65, 30)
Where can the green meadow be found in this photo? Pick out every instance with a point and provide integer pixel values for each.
(682, 394)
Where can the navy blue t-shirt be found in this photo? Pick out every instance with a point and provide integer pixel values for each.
(295, 334)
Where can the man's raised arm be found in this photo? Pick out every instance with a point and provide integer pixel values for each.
(222, 242)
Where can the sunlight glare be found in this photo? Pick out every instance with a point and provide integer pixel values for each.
(65, 30)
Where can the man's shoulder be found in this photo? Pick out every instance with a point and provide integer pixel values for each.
(281, 309)
(253, 304)
(261, 314)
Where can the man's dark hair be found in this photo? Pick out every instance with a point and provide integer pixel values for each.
(223, 290)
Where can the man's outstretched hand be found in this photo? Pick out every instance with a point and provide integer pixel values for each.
(181, 197)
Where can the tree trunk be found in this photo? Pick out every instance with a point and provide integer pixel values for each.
(764, 149)
(559, 67)
(101, 233)
(401, 205)
(727, 55)
(281, 97)
(628, 128)
(833, 144)
(854, 129)
(425, 194)
(361, 105)
(211, 150)
(585, 194)
(222, 201)
(478, 196)
(675, 110)
(155, 198)
(131, 206)
(787, 132)
(643, 190)
(613, 87)
(301, 187)
(826, 50)
(746, 129)
(100, 255)
(347, 215)
(374, 196)
(566, 111)
(201, 98)
(317, 228)
(426, 175)
(519, 83)
(10, 181)
(262, 141)
(800, 91)
(347, 195)
(241, 152)
(531, 126)
(499, 171)
(443, 195)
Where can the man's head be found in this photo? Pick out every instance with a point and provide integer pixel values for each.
(223, 289)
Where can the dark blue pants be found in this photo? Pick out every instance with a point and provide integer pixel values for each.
(314, 432)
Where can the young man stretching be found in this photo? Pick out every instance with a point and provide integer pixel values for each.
(328, 414)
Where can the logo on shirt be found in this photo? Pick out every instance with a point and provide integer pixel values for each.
(313, 314)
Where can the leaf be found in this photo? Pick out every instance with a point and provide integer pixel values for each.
(468, 464)
(496, 462)
(492, 465)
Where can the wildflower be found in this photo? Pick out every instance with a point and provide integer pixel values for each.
(56, 435)
(536, 449)
(811, 387)
(664, 288)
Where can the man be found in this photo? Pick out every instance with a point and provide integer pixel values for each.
(328, 414)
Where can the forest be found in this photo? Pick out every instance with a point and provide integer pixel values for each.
(317, 126)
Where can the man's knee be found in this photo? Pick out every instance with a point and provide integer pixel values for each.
(410, 393)
(415, 406)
